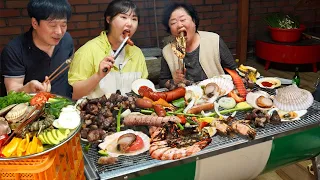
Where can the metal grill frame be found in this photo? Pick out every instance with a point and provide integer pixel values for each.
(139, 165)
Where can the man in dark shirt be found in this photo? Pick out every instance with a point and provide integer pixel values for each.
(28, 59)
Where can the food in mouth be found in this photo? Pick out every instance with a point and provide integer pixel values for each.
(179, 46)
(129, 41)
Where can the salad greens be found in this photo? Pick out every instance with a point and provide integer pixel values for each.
(56, 104)
(14, 98)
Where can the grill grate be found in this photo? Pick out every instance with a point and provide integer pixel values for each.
(132, 164)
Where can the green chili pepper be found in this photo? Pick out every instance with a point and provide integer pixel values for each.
(87, 147)
(180, 103)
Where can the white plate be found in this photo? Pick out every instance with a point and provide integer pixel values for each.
(142, 82)
(299, 113)
(285, 81)
(276, 82)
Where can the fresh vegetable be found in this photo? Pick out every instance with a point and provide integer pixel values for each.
(243, 106)
(279, 20)
(185, 114)
(162, 102)
(118, 119)
(179, 110)
(227, 102)
(56, 104)
(180, 103)
(103, 152)
(10, 148)
(87, 147)
(145, 111)
(14, 98)
(180, 126)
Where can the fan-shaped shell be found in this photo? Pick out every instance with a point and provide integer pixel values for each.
(3, 111)
(110, 143)
(197, 91)
(292, 98)
(224, 82)
(253, 96)
(17, 113)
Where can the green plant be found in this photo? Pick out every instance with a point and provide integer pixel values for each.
(284, 21)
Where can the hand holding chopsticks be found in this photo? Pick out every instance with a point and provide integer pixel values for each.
(55, 73)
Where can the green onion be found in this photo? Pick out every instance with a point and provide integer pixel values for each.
(118, 119)
(180, 126)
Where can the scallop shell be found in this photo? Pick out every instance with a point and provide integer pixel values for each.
(197, 91)
(292, 98)
(224, 82)
(252, 97)
(6, 109)
(110, 143)
(17, 113)
(299, 113)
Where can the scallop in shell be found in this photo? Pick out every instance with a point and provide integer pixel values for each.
(3, 111)
(292, 98)
(253, 97)
(17, 113)
(110, 143)
(224, 82)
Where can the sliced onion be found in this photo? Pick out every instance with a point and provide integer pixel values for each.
(189, 105)
(216, 109)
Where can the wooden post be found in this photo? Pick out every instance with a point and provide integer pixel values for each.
(242, 36)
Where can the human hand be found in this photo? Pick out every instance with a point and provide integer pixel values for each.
(47, 84)
(178, 76)
(34, 86)
(105, 66)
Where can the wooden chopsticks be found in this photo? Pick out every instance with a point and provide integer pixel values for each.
(55, 73)
(27, 120)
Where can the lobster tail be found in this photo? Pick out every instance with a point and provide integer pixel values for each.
(237, 82)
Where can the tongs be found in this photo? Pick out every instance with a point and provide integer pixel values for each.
(116, 54)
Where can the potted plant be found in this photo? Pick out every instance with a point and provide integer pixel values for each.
(284, 28)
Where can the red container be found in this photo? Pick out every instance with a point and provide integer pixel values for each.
(286, 35)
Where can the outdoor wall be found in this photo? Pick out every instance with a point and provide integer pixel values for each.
(87, 20)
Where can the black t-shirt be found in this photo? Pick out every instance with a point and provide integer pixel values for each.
(21, 58)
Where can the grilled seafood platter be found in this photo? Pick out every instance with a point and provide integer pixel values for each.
(35, 124)
(182, 120)
(127, 143)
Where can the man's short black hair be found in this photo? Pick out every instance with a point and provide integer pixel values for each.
(187, 7)
(119, 6)
(49, 9)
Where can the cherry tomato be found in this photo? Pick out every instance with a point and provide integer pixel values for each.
(136, 145)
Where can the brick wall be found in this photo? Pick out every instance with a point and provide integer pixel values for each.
(216, 15)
